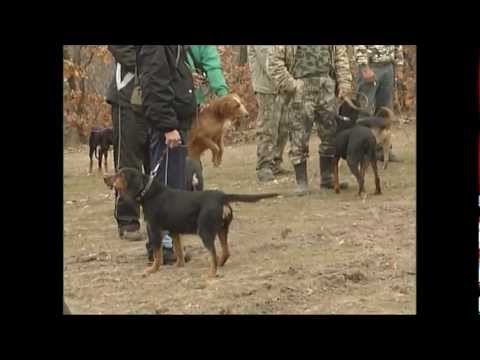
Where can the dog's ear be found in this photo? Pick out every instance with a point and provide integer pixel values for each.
(116, 181)
(225, 107)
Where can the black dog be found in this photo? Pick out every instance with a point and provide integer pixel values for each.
(380, 124)
(357, 145)
(206, 213)
(100, 141)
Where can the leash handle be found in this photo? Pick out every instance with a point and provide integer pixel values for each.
(153, 173)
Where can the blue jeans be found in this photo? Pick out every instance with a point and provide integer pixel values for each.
(381, 93)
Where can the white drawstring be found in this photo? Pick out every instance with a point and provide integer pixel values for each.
(118, 157)
(166, 168)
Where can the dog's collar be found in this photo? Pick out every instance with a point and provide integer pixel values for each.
(145, 189)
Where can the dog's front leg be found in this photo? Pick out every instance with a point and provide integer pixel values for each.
(386, 153)
(214, 148)
(378, 190)
(100, 158)
(178, 248)
(157, 261)
(91, 165)
(361, 187)
(220, 152)
(105, 162)
(336, 182)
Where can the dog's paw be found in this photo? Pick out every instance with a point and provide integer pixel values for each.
(378, 192)
(148, 271)
(216, 161)
(180, 263)
(337, 190)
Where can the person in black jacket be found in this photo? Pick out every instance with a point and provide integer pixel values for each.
(169, 106)
(130, 143)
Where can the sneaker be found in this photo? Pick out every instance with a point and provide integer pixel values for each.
(169, 257)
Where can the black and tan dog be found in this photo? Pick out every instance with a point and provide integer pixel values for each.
(357, 145)
(100, 141)
(380, 124)
(206, 213)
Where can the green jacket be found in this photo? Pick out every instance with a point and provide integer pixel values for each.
(207, 60)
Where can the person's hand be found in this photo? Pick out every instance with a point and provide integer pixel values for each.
(368, 74)
(172, 138)
(399, 73)
(299, 86)
(198, 79)
(342, 93)
(297, 91)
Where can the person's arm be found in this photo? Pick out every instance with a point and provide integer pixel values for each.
(124, 54)
(210, 63)
(277, 70)
(342, 70)
(157, 91)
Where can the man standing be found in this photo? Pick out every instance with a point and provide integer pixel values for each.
(169, 106)
(130, 144)
(271, 130)
(309, 76)
(379, 66)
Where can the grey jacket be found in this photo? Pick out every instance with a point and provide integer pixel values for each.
(257, 59)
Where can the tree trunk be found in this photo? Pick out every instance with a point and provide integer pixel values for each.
(243, 55)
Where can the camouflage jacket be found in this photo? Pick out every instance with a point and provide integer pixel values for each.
(365, 54)
(257, 59)
(281, 59)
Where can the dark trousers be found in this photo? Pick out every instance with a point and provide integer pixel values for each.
(172, 166)
(130, 149)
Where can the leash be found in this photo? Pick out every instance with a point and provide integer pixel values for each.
(153, 173)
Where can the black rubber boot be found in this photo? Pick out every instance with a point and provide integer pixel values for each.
(301, 177)
(326, 174)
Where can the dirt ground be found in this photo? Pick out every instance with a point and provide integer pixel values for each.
(318, 254)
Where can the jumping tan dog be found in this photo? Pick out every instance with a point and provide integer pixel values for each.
(207, 133)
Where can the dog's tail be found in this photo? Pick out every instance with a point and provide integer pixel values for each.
(375, 122)
(228, 198)
(387, 114)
